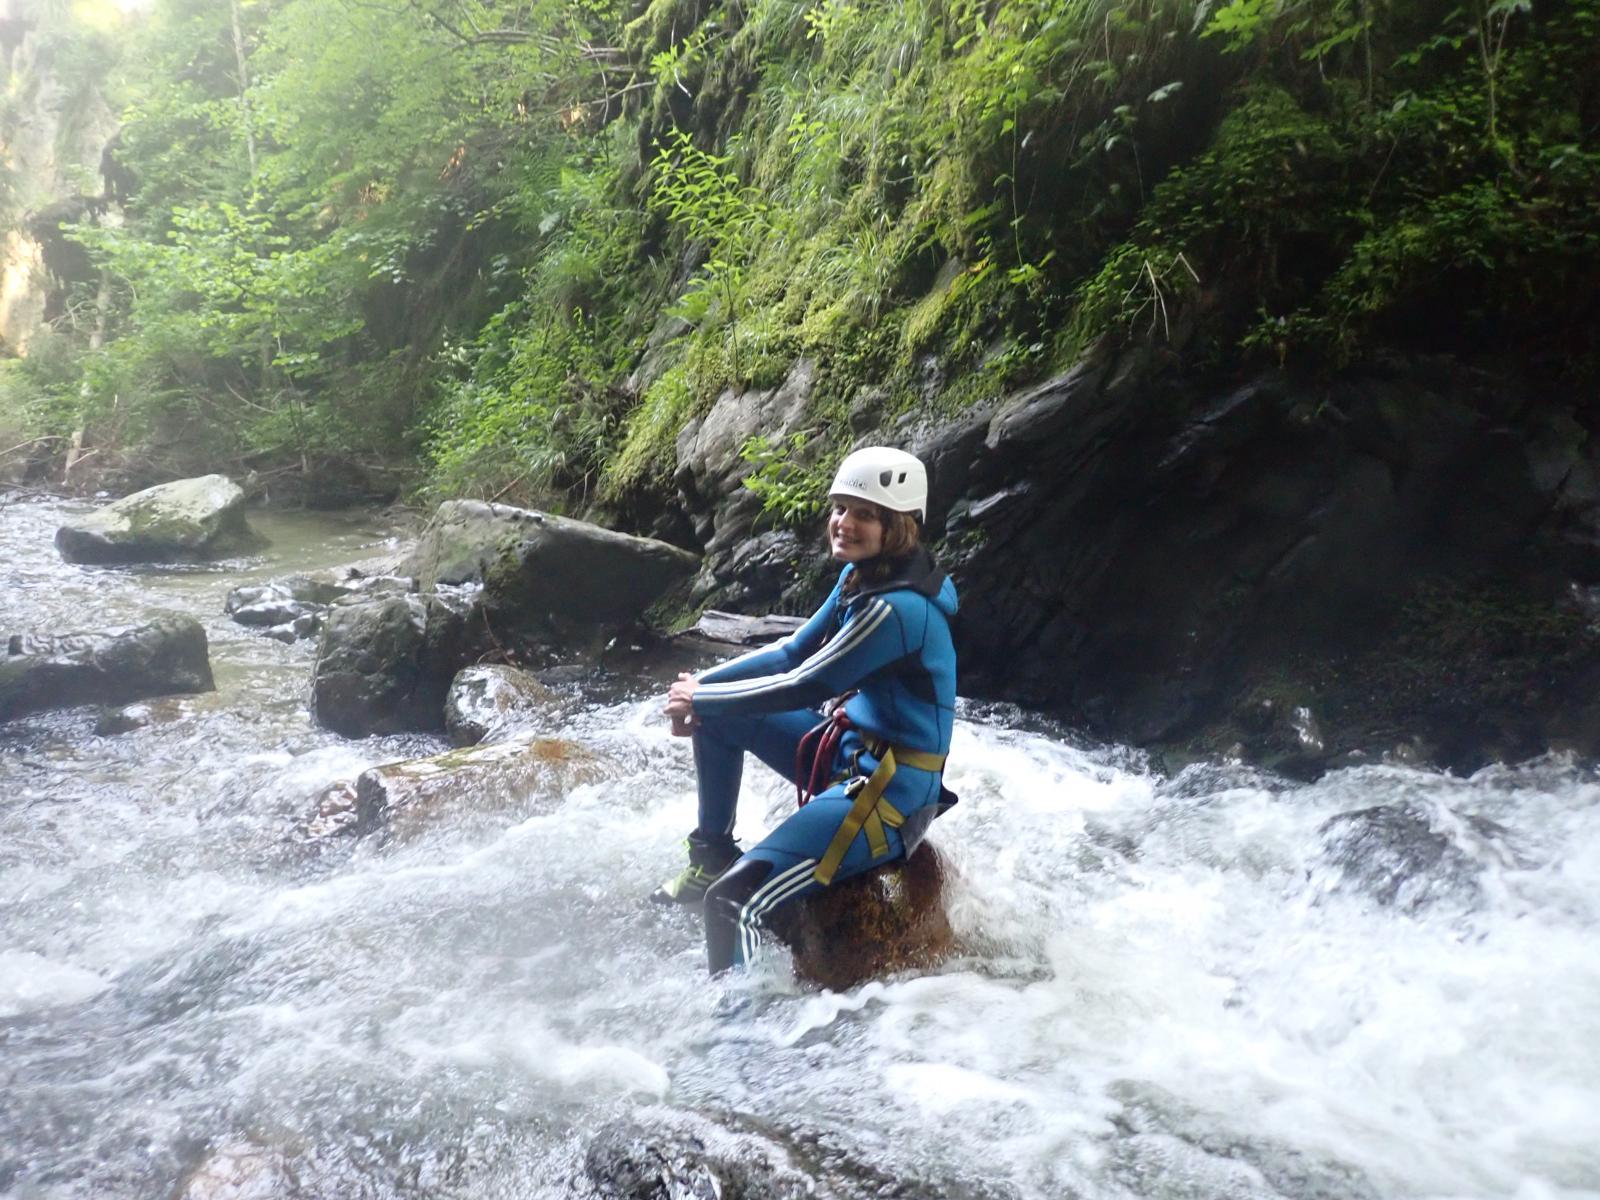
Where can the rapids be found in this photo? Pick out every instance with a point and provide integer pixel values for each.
(1178, 987)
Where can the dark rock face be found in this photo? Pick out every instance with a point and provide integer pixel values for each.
(872, 925)
(185, 520)
(165, 656)
(1408, 856)
(1406, 552)
(1147, 562)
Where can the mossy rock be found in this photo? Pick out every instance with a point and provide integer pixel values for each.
(186, 520)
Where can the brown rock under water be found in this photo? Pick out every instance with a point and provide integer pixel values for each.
(523, 775)
(891, 919)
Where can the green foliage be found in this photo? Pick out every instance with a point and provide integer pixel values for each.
(1441, 193)
(454, 228)
(793, 494)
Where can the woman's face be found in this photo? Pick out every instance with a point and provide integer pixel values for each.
(855, 530)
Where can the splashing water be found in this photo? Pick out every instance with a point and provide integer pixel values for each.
(1383, 984)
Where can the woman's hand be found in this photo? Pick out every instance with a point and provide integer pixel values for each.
(680, 705)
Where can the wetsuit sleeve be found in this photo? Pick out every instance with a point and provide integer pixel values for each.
(782, 655)
(874, 637)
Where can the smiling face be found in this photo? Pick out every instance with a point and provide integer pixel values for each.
(855, 530)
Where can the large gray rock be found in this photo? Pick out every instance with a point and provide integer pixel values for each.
(162, 657)
(545, 577)
(494, 580)
(185, 520)
(710, 471)
(528, 774)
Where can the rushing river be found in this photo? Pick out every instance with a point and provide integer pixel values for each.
(1176, 987)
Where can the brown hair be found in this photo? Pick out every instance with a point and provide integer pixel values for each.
(901, 536)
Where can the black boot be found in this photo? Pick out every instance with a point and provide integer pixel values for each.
(725, 898)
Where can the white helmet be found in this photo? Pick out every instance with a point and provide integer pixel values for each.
(896, 480)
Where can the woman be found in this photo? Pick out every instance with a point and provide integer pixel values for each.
(879, 649)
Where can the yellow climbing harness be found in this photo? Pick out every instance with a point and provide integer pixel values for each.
(870, 810)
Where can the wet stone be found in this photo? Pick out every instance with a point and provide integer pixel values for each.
(628, 1160)
(523, 775)
(1409, 856)
(888, 920)
(161, 657)
(240, 1172)
(129, 717)
(489, 701)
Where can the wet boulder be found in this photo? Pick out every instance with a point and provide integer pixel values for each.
(522, 775)
(888, 920)
(165, 656)
(334, 813)
(1409, 856)
(545, 578)
(487, 701)
(186, 520)
(383, 666)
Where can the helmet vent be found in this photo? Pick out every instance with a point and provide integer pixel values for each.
(886, 477)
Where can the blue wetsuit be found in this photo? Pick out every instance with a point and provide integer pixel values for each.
(890, 642)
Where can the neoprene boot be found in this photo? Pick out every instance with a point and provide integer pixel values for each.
(724, 901)
(709, 857)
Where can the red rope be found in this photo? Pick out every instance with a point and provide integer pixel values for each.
(813, 769)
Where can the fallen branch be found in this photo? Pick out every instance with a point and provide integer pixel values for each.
(48, 437)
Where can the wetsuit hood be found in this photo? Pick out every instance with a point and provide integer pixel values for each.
(916, 571)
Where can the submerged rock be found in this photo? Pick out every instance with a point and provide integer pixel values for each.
(528, 774)
(489, 700)
(140, 716)
(688, 1158)
(241, 1171)
(295, 607)
(159, 658)
(629, 1160)
(1165, 1147)
(1409, 856)
(185, 520)
(891, 919)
